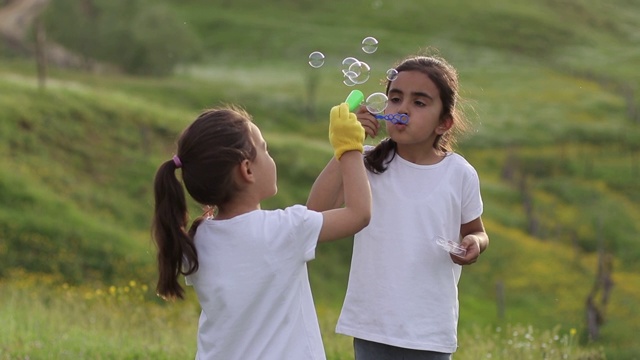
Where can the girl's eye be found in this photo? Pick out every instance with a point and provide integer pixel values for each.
(394, 99)
(419, 103)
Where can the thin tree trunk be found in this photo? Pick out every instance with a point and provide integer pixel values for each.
(41, 53)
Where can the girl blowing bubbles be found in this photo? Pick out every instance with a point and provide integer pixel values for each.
(402, 297)
(247, 265)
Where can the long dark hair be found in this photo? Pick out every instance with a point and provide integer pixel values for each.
(208, 151)
(445, 77)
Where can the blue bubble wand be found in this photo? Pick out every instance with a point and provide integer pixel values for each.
(394, 118)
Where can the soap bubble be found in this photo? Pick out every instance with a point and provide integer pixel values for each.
(376, 103)
(361, 70)
(369, 45)
(347, 62)
(348, 80)
(351, 74)
(316, 59)
(392, 74)
(359, 67)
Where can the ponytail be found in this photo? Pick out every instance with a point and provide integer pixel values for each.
(376, 161)
(176, 250)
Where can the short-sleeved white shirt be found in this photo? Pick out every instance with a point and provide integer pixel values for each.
(253, 287)
(402, 287)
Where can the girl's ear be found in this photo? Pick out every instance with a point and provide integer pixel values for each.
(245, 172)
(445, 125)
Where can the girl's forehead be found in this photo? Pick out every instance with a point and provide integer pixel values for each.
(414, 81)
(413, 78)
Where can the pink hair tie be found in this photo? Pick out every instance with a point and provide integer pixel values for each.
(176, 160)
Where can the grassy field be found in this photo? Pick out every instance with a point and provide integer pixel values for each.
(556, 140)
(125, 321)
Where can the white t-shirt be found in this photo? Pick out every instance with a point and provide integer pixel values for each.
(253, 287)
(402, 286)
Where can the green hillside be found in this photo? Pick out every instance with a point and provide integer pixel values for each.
(551, 89)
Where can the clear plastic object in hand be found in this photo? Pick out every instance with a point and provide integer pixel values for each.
(451, 246)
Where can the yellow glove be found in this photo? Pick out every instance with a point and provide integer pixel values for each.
(345, 131)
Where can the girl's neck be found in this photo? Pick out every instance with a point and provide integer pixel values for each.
(230, 211)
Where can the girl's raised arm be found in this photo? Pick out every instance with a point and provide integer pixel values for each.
(327, 192)
(343, 178)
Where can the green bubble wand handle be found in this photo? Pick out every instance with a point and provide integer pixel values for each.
(355, 98)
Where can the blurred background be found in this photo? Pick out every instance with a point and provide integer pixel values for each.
(93, 94)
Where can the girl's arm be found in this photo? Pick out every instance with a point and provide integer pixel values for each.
(344, 178)
(327, 191)
(474, 239)
(355, 215)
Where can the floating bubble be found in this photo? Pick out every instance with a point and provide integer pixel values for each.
(358, 67)
(376, 103)
(392, 74)
(351, 75)
(316, 59)
(348, 79)
(369, 45)
(347, 62)
(362, 71)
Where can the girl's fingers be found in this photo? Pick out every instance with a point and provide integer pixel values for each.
(368, 121)
(370, 131)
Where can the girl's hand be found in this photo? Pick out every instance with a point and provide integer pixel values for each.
(345, 132)
(472, 244)
(368, 121)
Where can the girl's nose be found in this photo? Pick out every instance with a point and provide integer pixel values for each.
(402, 109)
